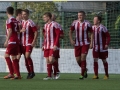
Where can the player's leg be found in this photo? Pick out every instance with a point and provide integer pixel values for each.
(77, 51)
(84, 51)
(16, 67)
(30, 65)
(49, 65)
(10, 67)
(95, 56)
(55, 64)
(103, 56)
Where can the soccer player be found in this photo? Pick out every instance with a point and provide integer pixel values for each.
(56, 70)
(11, 45)
(100, 46)
(82, 42)
(51, 43)
(19, 19)
(29, 36)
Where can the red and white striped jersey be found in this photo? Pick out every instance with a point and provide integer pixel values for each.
(13, 24)
(81, 32)
(60, 27)
(101, 38)
(28, 35)
(51, 35)
(20, 27)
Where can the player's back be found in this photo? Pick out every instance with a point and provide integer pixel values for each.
(13, 24)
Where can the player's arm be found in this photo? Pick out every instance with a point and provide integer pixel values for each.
(107, 39)
(61, 34)
(9, 33)
(43, 32)
(91, 37)
(57, 32)
(71, 34)
(35, 37)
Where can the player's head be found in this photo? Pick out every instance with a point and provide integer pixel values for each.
(47, 16)
(81, 15)
(25, 14)
(54, 17)
(10, 10)
(97, 20)
(19, 13)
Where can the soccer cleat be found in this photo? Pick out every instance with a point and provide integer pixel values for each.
(57, 75)
(47, 78)
(81, 77)
(95, 77)
(106, 77)
(31, 75)
(28, 75)
(16, 78)
(8, 76)
(85, 74)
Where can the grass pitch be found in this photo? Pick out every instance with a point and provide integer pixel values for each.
(65, 82)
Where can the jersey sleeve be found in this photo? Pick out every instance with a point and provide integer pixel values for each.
(73, 26)
(107, 35)
(33, 26)
(9, 24)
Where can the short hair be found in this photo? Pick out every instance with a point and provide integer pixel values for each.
(26, 10)
(82, 12)
(18, 11)
(10, 10)
(48, 14)
(99, 18)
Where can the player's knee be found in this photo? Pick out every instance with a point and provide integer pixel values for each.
(6, 55)
(104, 60)
(13, 57)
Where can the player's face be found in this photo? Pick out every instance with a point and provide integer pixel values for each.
(45, 18)
(96, 21)
(81, 16)
(20, 16)
(25, 15)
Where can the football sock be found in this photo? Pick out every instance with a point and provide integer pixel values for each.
(27, 66)
(30, 63)
(106, 68)
(49, 69)
(96, 68)
(83, 67)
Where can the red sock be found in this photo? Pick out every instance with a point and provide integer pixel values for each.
(27, 66)
(83, 66)
(56, 67)
(49, 69)
(16, 67)
(96, 68)
(9, 63)
(30, 63)
(106, 68)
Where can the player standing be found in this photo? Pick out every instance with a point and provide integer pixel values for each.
(29, 36)
(100, 46)
(51, 43)
(11, 45)
(56, 70)
(82, 42)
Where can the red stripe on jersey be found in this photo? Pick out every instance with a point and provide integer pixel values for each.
(78, 30)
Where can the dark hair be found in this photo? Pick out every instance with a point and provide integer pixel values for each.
(48, 14)
(26, 10)
(99, 18)
(10, 10)
(18, 11)
(82, 12)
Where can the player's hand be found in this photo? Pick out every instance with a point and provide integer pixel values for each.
(42, 48)
(23, 30)
(33, 44)
(5, 44)
(54, 48)
(72, 42)
(91, 46)
(106, 46)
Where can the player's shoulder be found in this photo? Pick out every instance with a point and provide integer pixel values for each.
(86, 21)
(103, 27)
(12, 19)
(30, 21)
(75, 21)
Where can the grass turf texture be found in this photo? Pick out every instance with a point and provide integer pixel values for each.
(66, 82)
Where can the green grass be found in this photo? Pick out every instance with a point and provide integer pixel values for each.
(66, 82)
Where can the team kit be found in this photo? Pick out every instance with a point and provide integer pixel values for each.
(21, 36)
